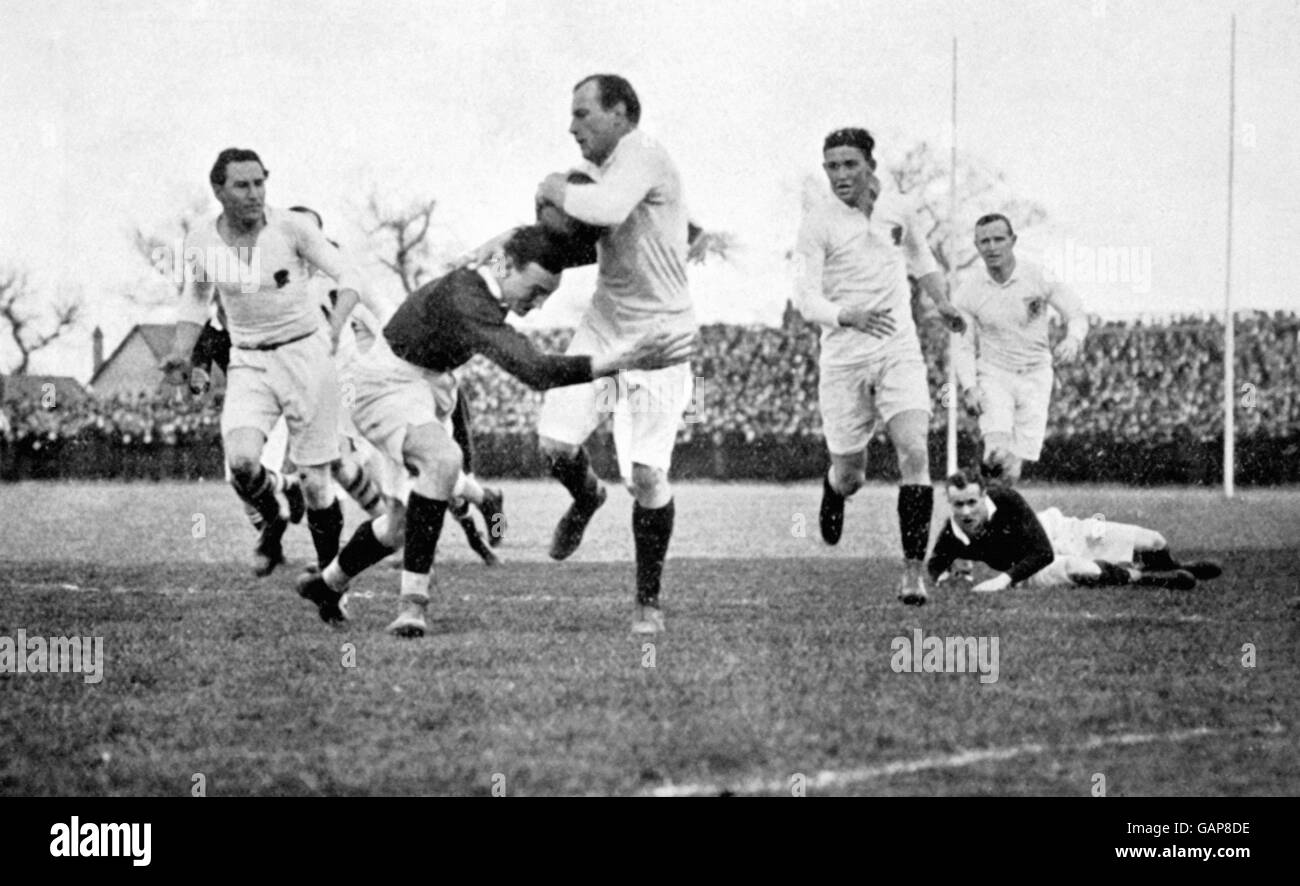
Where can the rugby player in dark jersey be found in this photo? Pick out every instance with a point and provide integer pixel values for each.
(405, 392)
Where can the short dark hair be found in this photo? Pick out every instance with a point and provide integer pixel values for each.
(614, 89)
(966, 477)
(217, 177)
(533, 243)
(992, 217)
(853, 137)
(320, 222)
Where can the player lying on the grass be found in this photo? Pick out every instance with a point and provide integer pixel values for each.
(405, 389)
(1003, 361)
(995, 525)
(281, 362)
(855, 255)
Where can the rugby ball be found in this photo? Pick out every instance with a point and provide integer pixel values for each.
(557, 221)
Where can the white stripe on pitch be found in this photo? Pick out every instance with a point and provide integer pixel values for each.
(830, 779)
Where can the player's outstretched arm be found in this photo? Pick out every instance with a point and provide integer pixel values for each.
(656, 350)
(932, 285)
(176, 365)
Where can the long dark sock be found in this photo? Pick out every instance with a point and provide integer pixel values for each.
(326, 526)
(652, 529)
(362, 551)
(259, 491)
(362, 489)
(423, 527)
(1112, 574)
(915, 507)
(575, 474)
(1160, 560)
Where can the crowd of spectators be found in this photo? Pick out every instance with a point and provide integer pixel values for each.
(1151, 381)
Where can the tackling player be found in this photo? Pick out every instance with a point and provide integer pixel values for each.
(405, 391)
(1004, 360)
(635, 199)
(855, 256)
(281, 361)
(995, 525)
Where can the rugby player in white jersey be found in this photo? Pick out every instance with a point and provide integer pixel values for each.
(855, 255)
(635, 196)
(281, 359)
(1004, 360)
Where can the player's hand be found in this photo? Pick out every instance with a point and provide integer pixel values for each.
(878, 324)
(551, 190)
(176, 368)
(972, 400)
(200, 381)
(999, 582)
(952, 317)
(658, 350)
(1067, 350)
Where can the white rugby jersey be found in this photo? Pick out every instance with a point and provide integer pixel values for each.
(1007, 323)
(638, 196)
(263, 289)
(849, 260)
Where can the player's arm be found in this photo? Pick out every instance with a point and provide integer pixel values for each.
(191, 315)
(1070, 307)
(606, 203)
(922, 267)
(1035, 548)
(946, 549)
(330, 261)
(811, 302)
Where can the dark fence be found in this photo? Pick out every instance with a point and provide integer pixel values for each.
(1261, 460)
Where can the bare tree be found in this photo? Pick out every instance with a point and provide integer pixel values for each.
(980, 190)
(162, 246)
(23, 322)
(403, 237)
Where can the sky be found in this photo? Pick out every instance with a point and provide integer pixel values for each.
(1111, 115)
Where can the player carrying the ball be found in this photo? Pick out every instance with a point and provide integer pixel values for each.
(635, 201)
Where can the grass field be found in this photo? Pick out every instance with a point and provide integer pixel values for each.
(775, 672)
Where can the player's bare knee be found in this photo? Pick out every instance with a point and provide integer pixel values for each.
(317, 489)
(650, 486)
(914, 464)
(390, 529)
(244, 468)
(849, 482)
(553, 449)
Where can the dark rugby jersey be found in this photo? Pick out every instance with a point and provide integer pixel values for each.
(1013, 540)
(444, 323)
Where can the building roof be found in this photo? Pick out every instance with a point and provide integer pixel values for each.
(157, 337)
(18, 387)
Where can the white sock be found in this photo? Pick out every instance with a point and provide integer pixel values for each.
(335, 577)
(415, 584)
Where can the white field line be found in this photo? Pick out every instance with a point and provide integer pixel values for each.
(831, 779)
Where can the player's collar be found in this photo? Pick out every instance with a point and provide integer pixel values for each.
(493, 285)
(957, 531)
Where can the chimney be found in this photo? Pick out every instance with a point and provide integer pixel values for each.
(97, 337)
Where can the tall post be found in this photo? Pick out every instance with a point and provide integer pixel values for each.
(952, 272)
(1229, 318)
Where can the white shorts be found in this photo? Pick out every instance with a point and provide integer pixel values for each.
(854, 399)
(647, 408)
(277, 445)
(1061, 571)
(385, 395)
(1095, 538)
(297, 381)
(1015, 403)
